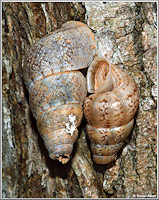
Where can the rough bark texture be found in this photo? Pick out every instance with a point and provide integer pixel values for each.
(126, 33)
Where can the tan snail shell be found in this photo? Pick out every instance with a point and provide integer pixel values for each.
(110, 110)
(57, 90)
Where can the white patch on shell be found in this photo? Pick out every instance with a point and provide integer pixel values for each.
(71, 128)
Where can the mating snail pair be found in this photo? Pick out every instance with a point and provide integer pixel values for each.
(58, 91)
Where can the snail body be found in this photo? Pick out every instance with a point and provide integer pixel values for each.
(110, 110)
(56, 88)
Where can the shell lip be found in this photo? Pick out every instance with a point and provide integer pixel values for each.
(92, 72)
(64, 158)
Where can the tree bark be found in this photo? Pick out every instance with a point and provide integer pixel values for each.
(125, 32)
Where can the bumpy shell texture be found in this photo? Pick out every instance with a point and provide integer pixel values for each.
(110, 110)
(57, 90)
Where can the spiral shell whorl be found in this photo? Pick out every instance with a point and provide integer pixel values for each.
(110, 110)
(57, 90)
(70, 48)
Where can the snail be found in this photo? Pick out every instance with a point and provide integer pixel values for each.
(110, 110)
(56, 88)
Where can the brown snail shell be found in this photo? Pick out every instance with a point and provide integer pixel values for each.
(57, 90)
(110, 110)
